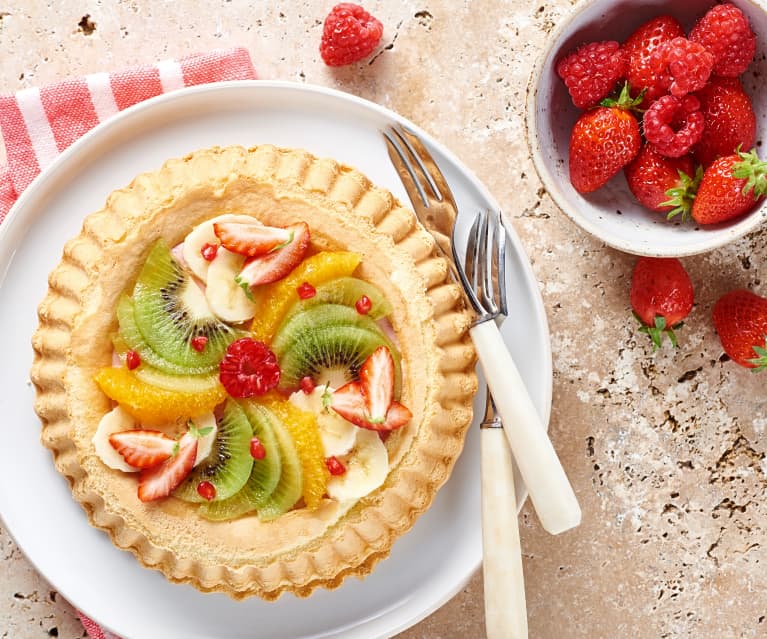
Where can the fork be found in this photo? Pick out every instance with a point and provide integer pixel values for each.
(505, 606)
(434, 205)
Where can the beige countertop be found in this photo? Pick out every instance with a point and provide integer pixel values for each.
(666, 450)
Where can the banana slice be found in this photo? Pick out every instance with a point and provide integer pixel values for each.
(203, 234)
(337, 434)
(205, 443)
(225, 296)
(114, 421)
(366, 468)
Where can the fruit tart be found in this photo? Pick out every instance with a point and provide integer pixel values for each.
(253, 370)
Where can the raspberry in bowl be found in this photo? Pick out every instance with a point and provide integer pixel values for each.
(693, 99)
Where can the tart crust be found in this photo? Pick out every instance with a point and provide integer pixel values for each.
(301, 550)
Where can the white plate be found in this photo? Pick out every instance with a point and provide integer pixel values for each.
(427, 566)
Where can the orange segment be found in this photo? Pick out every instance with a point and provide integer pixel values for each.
(152, 405)
(274, 300)
(303, 428)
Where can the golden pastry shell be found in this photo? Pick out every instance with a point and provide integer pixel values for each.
(302, 550)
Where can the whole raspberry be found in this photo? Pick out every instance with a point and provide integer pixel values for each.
(592, 71)
(673, 126)
(683, 66)
(248, 368)
(350, 34)
(724, 30)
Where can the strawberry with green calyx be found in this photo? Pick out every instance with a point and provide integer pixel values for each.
(603, 141)
(731, 186)
(663, 184)
(740, 319)
(730, 122)
(661, 296)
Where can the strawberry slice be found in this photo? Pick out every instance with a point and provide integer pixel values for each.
(161, 480)
(250, 239)
(276, 264)
(369, 403)
(143, 448)
(397, 415)
(349, 402)
(377, 379)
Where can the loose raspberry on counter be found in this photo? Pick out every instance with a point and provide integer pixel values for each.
(684, 66)
(673, 126)
(592, 71)
(350, 34)
(724, 30)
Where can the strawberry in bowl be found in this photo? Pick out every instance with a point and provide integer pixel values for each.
(693, 74)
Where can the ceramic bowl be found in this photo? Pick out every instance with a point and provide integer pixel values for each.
(611, 213)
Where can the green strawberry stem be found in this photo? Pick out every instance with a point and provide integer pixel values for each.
(660, 329)
(625, 101)
(682, 196)
(753, 170)
(760, 361)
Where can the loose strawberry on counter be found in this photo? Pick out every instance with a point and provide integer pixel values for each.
(661, 296)
(740, 319)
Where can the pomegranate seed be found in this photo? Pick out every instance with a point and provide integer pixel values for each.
(132, 360)
(209, 251)
(199, 343)
(307, 384)
(206, 490)
(306, 291)
(257, 450)
(363, 305)
(334, 466)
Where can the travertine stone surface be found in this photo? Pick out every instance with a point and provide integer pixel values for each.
(666, 450)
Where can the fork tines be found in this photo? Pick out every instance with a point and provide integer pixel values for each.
(486, 262)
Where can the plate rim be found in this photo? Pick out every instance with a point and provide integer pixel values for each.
(82, 144)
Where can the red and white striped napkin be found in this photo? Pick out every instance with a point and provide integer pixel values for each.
(39, 123)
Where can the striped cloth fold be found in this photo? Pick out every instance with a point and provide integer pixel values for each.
(38, 124)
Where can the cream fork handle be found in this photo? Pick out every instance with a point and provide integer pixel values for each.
(550, 491)
(505, 609)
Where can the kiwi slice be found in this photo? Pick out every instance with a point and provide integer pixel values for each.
(347, 291)
(330, 348)
(229, 464)
(328, 337)
(263, 478)
(133, 339)
(290, 487)
(180, 383)
(170, 310)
